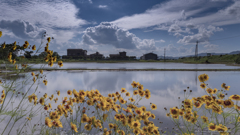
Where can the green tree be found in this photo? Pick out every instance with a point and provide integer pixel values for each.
(56, 54)
(42, 55)
(9, 48)
(27, 54)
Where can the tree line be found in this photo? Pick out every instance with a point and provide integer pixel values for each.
(28, 54)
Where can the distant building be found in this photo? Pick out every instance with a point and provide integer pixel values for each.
(149, 56)
(96, 55)
(121, 55)
(75, 54)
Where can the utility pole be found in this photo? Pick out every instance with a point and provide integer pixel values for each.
(196, 51)
(164, 54)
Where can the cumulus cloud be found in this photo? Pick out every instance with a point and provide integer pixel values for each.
(190, 25)
(174, 50)
(203, 35)
(161, 41)
(102, 6)
(22, 29)
(109, 34)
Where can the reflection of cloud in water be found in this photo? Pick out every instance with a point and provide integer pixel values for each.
(165, 87)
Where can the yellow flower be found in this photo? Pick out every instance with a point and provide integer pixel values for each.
(14, 47)
(57, 123)
(32, 74)
(0, 33)
(28, 118)
(221, 128)
(134, 84)
(214, 91)
(49, 105)
(34, 47)
(140, 87)
(88, 127)
(223, 85)
(60, 63)
(48, 39)
(45, 82)
(136, 124)
(128, 94)
(212, 126)
(16, 66)
(48, 122)
(26, 44)
(30, 98)
(1, 101)
(41, 101)
(228, 103)
(45, 95)
(123, 90)
(46, 107)
(110, 125)
(50, 63)
(139, 111)
(58, 93)
(3, 96)
(174, 111)
(4, 45)
(105, 116)
(153, 107)
(135, 92)
(74, 127)
(227, 88)
(205, 119)
(203, 85)
(209, 90)
(69, 92)
(56, 99)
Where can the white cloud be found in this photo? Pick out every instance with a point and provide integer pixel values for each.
(160, 14)
(203, 35)
(90, 1)
(161, 41)
(109, 34)
(22, 29)
(103, 6)
(210, 46)
(42, 13)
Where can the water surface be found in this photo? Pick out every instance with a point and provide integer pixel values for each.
(166, 87)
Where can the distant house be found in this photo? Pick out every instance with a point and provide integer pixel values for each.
(75, 54)
(121, 55)
(149, 56)
(96, 55)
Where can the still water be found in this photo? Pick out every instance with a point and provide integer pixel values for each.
(165, 86)
(142, 65)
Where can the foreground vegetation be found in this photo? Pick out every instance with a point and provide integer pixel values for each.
(117, 113)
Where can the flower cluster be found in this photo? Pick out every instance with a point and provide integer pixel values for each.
(213, 102)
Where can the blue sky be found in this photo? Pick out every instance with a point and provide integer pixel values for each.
(134, 26)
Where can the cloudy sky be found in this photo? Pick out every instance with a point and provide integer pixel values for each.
(134, 26)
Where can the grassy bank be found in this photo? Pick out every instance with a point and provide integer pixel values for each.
(216, 59)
